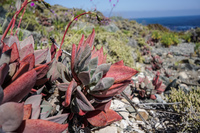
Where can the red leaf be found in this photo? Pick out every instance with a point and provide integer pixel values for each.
(119, 63)
(5, 48)
(112, 116)
(73, 56)
(28, 49)
(81, 42)
(59, 53)
(90, 39)
(27, 41)
(41, 81)
(27, 111)
(40, 55)
(97, 118)
(11, 116)
(3, 72)
(113, 90)
(53, 51)
(68, 93)
(41, 126)
(24, 66)
(14, 53)
(20, 87)
(29, 59)
(120, 73)
(103, 106)
(35, 101)
(100, 56)
(41, 71)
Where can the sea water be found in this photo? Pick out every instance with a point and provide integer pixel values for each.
(179, 23)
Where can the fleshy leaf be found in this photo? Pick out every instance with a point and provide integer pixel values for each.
(84, 77)
(14, 53)
(113, 90)
(46, 108)
(11, 116)
(42, 126)
(68, 93)
(103, 67)
(104, 84)
(81, 42)
(27, 111)
(119, 63)
(97, 118)
(27, 41)
(41, 71)
(40, 56)
(112, 116)
(29, 59)
(73, 56)
(28, 49)
(104, 106)
(35, 101)
(1, 94)
(3, 72)
(11, 40)
(58, 118)
(120, 73)
(63, 86)
(5, 57)
(20, 87)
(93, 63)
(83, 102)
(53, 73)
(12, 70)
(53, 51)
(90, 39)
(24, 66)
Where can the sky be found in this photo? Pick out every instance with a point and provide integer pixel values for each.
(136, 8)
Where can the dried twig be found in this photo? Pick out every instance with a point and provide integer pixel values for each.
(54, 42)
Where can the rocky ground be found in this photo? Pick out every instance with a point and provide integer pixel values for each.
(156, 113)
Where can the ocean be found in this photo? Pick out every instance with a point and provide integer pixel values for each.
(180, 23)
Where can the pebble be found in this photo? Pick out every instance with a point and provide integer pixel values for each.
(136, 100)
(108, 129)
(123, 124)
(183, 75)
(143, 113)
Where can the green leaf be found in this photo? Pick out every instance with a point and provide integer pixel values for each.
(84, 77)
(104, 68)
(104, 84)
(93, 63)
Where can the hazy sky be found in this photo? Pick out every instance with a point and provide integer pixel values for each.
(136, 8)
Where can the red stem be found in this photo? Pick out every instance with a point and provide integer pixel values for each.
(12, 22)
(69, 26)
(20, 20)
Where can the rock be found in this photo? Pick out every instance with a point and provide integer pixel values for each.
(183, 75)
(143, 113)
(184, 87)
(131, 110)
(117, 105)
(124, 114)
(123, 124)
(159, 99)
(111, 27)
(135, 100)
(108, 129)
(133, 43)
(169, 55)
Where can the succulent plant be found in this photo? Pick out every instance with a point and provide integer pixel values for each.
(91, 83)
(156, 62)
(149, 89)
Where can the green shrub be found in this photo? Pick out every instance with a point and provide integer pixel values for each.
(169, 39)
(156, 35)
(141, 41)
(190, 105)
(186, 37)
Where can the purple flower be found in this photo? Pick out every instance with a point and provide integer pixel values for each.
(65, 13)
(32, 3)
(113, 4)
(90, 0)
(76, 19)
(55, 14)
(117, 0)
(109, 0)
